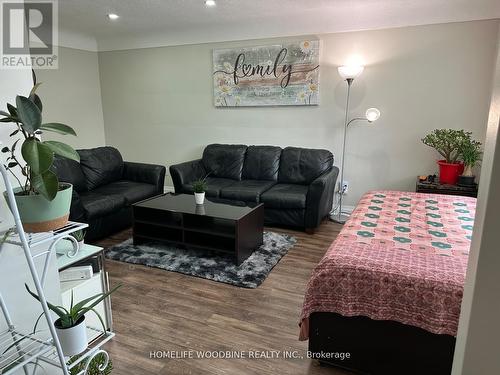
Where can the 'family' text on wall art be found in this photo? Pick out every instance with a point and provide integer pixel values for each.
(286, 74)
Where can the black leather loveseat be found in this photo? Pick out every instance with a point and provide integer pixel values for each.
(296, 185)
(104, 187)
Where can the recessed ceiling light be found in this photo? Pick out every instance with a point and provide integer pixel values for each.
(113, 16)
(210, 3)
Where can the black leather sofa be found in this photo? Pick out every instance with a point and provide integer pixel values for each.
(105, 187)
(296, 185)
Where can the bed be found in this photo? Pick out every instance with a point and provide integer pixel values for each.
(388, 291)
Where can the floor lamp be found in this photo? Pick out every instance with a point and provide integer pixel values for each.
(348, 73)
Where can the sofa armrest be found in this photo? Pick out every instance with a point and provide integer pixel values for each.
(320, 198)
(77, 211)
(148, 173)
(185, 173)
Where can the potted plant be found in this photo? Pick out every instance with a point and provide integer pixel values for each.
(43, 202)
(448, 143)
(79, 236)
(70, 325)
(471, 155)
(199, 188)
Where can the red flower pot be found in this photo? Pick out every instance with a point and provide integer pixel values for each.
(449, 172)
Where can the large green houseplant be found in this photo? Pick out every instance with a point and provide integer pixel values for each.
(448, 143)
(43, 201)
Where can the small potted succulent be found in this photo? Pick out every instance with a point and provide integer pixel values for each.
(471, 156)
(43, 202)
(199, 187)
(448, 143)
(79, 236)
(70, 325)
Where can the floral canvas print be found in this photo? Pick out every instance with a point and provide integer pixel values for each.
(286, 74)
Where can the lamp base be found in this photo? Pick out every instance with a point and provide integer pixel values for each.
(339, 218)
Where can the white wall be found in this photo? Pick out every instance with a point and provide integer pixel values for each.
(158, 101)
(14, 82)
(477, 349)
(71, 94)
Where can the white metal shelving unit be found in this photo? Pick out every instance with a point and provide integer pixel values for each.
(20, 349)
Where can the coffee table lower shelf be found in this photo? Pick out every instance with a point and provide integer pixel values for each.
(235, 237)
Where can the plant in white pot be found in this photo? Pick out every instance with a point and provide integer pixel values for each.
(42, 201)
(199, 187)
(471, 155)
(70, 325)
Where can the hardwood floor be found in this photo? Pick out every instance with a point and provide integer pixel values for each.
(156, 310)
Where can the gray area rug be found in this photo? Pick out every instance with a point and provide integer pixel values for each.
(206, 264)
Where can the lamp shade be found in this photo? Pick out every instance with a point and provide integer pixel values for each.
(372, 114)
(350, 71)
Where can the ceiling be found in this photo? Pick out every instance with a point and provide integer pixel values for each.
(150, 23)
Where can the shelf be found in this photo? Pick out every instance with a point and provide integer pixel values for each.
(27, 348)
(35, 239)
(210, 225)
(217, 243)
(97, 338)
(156, 224)
(186, 244)
(85, 252)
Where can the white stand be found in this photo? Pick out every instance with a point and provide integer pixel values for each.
(18, 349)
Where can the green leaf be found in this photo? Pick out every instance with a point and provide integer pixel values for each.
(63, 150)
(12, 110)
(7, 119)
(3, 113)
(15, 145)
(38, 155)
(60, 312)
(100, 297)
(58, 128)
(46, 184)
(33, 90)
(29, 114)
(38, 102)
(36, 322)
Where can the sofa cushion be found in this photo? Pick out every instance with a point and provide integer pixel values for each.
(101, 166)
(262, 163)
(303, 165)
(96, 204)
(70, 171)
(246, 190)
(214, 186)
(285, 196)
(224, 161)
(131, 190)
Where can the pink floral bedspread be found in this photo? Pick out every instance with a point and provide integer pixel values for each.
(401, 256)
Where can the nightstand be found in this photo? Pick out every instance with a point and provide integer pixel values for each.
(437, 188)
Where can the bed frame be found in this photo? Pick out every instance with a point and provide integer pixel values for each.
(379, 346)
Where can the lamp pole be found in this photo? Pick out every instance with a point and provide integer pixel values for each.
(372, 114)
(339, 218)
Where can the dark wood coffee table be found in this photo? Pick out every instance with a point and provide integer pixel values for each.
(230, 227)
